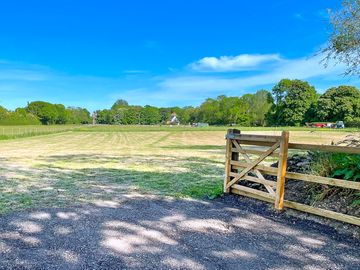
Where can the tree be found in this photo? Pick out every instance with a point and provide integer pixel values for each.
(62, 114)
(209, 111)
(132, 115)
(119, 104)
(45, 111)
(258, 105)
(344, 41)
(150, 115)
(78, 115)
(339, 103)
(293, 99)
(104, 117)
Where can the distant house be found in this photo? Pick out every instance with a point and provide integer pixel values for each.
(174, 120)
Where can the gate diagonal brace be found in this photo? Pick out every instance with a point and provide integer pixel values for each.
(253, 164)
(257, 172)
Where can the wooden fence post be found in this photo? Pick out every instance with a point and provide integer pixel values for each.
(280, 184)
(229, 156)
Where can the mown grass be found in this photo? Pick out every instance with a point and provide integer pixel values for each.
(14, 132)
(77, 167)
(84, 167)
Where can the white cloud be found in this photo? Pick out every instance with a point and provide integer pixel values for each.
(301, 68)
(22, 82)
(233, 63)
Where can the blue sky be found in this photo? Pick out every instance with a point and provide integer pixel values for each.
(163, 53)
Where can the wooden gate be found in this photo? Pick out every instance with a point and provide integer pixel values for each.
(277, 147)
(250, 169)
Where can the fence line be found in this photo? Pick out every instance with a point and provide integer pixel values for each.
(253, 171)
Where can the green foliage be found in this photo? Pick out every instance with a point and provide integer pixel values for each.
(344, 41)
(292, 103)
(339, 103)
(150, 115)
(356, 202)
(45, 111)
(341, 166)
(347, 167)
(247, 110)
(293, 100)
(104, 117)
(120, 103)
(50, 114)
(78, 116)
(19, 117)
(337, 165)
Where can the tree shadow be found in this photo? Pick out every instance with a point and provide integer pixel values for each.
(121, 229)
(145, 232)
(55, 180)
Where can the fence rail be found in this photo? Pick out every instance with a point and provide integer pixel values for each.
(252, 170)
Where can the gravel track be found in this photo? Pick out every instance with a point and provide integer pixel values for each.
(142, 232)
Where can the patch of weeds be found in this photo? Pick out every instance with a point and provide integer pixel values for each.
(335, 165)
(26, 200)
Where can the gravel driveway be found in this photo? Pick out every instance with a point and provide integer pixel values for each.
(139, 232)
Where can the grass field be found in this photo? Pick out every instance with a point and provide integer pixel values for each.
(13, 132)
(92, 164)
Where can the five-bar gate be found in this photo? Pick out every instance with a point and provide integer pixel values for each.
(240, 166)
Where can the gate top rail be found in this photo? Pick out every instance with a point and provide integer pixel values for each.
(268, 140)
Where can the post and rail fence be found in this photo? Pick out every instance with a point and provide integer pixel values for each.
(252, 170)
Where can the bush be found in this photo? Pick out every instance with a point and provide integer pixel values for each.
(354, 122)
(340, 166)
(19, 117)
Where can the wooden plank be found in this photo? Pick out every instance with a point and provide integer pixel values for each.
(323, 212)
(256, 180)
(325, 148)
(227, 164)
(254, 152)
(254, 163)
(266, 169)
(280, 185)
(300, 207)
(258, 174)
(303, 177)
(253, 191)
(243, 142)
(257, 138)
(251, 195)
(323, 180)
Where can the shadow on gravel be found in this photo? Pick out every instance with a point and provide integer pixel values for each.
(137, 232)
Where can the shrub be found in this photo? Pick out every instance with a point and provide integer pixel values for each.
(340, 166)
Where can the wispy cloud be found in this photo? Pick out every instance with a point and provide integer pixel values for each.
(302, 68)
(21, 83)
(233, 63)
(135, 71)
(14, 71)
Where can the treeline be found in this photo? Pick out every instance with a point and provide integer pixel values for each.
(248, 110)
(40, 112)
(290, 103)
